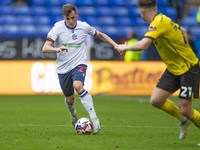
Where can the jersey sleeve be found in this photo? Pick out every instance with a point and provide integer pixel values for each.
(53, 33)
(156, 28)
(89, 29)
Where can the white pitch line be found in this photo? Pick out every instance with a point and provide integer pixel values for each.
(107, 126)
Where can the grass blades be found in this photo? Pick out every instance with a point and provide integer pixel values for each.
(42, 122)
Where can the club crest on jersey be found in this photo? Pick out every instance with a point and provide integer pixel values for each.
(74, 36)
(152, 28)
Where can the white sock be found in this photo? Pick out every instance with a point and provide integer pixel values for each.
(71, 108)
(87, 102)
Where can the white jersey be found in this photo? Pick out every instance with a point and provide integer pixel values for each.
(74, 40)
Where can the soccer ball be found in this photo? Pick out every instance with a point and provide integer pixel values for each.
(84, 126)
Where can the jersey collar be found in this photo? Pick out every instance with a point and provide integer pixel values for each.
(69, 27)
(156, 15)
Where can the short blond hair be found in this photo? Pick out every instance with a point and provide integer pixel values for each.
(67, 9)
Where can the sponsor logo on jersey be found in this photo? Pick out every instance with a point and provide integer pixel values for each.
(152, 28)
(74, 36)
(72, 45)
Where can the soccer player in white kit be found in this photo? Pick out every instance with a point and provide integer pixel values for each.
(68, 37)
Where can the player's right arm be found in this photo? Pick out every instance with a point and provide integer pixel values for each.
(48, 48)
(184, 34)
(140, 45)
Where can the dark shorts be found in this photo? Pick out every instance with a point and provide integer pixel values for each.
(66, 80)
(188, 83)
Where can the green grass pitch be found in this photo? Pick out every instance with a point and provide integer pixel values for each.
(42, 122)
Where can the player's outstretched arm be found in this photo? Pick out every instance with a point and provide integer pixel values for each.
(48, 48)
(140, 45)
(106, 38)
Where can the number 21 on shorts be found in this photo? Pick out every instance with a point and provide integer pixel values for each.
(186, 92)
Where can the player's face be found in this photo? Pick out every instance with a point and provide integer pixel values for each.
(142, 13)
(71, 19)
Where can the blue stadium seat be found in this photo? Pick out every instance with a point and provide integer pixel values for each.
(1, 31)
(117, 2)
(21, 10)
(85, 3)
(140, 22)
(170, 12)
(24, 20)
(54, 11)
(111, 31)
(6, 10)
(120, 11)
(134, 11)
(55, 19)
(140, 31)
(90, 20)
(87, 11)
(131, 2)
(27, 31)
(163, 3)
(5, 2)
(106, 21)
(193, 12)
(123, 21)
(52, 2)
(124, 31)
(8, 20)
(104, 11)
(187, 28)
(195, 32)
(37, 2)
(101, 2)
(42, 31)
(189, 21)
(73, 2)
(41, 20)
(10, 31)
(38, 10)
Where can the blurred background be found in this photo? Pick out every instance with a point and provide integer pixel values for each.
(24, 25)
(32, 19)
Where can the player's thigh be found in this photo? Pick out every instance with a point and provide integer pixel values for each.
(167, 84)
(78, 86)
(159, 97)
(66, 84)
(78, 76)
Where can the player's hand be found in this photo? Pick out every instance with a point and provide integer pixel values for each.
(62, 48)
(121, 48)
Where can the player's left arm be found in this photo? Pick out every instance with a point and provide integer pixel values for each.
(105, 38)
(184, 34)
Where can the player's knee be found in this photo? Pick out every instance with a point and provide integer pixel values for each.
(70, 99)
(155, 102)
(185, 111)
(78, 86)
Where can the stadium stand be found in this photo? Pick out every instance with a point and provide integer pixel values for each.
(21, 10)
(39, 10)
(111, 14)
(6, 10)
(189, 22)
(36, 2)
(6, 2)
